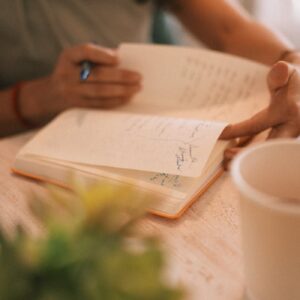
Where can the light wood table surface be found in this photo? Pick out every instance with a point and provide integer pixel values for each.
(203, 246)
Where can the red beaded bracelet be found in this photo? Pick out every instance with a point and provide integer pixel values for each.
(16, 105)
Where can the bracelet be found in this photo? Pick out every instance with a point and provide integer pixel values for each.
(16, 106)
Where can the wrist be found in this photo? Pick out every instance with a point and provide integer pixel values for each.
(15, 101)
(37, 103)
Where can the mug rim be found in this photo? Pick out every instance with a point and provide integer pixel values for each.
(253, 193)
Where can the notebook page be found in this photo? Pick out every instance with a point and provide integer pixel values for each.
(120, 140)
(174, 186)
(226, 112)
(185, 78)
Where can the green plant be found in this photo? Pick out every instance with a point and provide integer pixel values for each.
(90, 250)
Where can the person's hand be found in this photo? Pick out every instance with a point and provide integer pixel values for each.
(282, 116)
(106, 87)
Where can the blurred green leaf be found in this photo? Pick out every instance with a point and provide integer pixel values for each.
(91, 250)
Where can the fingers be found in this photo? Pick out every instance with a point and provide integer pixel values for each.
(289, 130)
(114, 75)
(90, 52)
(279, 76)
(282, 115)
(104, 74)
(258, 123)
(243, 141)
(229, 154)
(103, 103)
(107, 85)
(278, 112)
(106, 90)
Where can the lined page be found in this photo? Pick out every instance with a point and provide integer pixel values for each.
(122, 140)
(216, 84)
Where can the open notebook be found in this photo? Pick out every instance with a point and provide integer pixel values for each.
(166, 140)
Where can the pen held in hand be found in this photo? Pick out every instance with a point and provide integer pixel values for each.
(85, 71)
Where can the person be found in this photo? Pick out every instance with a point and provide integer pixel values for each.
(44, 43)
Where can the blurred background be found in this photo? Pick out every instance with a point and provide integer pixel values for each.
(281, 15)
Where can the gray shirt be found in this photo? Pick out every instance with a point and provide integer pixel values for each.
(34, 32)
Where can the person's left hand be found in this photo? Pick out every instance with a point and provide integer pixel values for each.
(282, 116)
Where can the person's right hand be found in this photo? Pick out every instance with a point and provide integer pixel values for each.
(281, 116)
(107, 86)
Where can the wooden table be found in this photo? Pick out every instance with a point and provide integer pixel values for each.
(203, 246)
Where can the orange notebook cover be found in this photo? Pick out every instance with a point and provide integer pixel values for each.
(157, 210)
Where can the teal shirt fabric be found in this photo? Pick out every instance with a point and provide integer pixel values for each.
(34, 32)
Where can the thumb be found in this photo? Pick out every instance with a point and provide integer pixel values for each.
(279, 76)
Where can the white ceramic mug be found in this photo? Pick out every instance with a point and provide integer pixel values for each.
(268, 179)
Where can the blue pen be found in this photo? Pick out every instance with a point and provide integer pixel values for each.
(86, 67)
